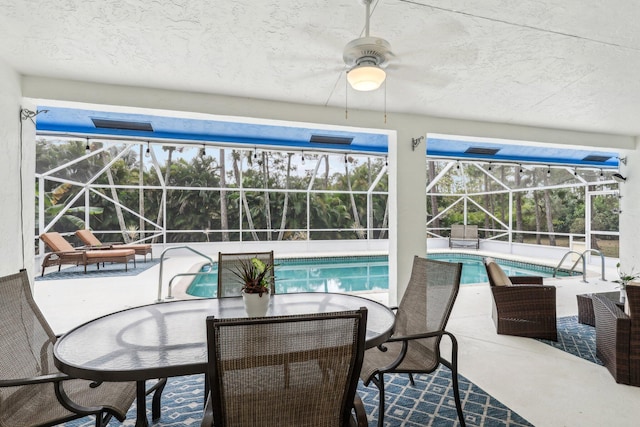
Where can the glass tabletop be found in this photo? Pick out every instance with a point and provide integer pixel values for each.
(169, 339)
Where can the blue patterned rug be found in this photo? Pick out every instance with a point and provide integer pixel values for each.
(109, 270)
(575, 338)
(428, 403)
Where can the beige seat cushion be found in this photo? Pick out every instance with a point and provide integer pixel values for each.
(498, 275)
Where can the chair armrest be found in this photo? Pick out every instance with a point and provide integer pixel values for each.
(42, 379)
(93, 247)
(418, 336)
(526, 280)
(525, 292)
(405, 344)
(613, 332)
(57, 379)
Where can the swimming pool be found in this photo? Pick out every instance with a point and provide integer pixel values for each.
(359, 273)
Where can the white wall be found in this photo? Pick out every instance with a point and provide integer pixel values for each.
(17, 162)
(406, 183)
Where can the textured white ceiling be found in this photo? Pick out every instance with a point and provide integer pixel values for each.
(571, 64)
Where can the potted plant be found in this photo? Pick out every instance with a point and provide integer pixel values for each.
(256, 277)
(624, 280)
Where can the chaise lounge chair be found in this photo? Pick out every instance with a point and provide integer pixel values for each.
(64, 253)
(89, 239)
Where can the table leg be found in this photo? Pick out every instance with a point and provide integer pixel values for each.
(141, 403)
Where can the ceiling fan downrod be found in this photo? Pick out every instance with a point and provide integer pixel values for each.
(367, 4)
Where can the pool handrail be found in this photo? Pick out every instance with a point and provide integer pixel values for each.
(584, 263)
(196, 274)
(162, 264)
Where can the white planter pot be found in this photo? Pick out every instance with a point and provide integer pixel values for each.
(623, 295)
(256, 305)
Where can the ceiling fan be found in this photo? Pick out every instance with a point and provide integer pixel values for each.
(366, 57)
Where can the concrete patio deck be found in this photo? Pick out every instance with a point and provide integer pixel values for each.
(546, 386)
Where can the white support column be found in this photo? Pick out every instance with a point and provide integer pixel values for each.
(587, 221)
(408, 177)
(630, 211)
(17, 137)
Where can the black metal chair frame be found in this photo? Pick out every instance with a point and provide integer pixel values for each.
(214, 413)
(102, 413)
(378, 377)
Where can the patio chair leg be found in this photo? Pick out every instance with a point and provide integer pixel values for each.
(99, 419)
(378, 380)
(206, 391)
(156, 400)
(456, 396)
(411, 380)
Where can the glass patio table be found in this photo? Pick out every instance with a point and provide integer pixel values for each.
(169, 339)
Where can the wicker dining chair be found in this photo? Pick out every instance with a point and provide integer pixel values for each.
(230, 285)
(322, 354)
(421, 319)
(32, 391)
(522, 305)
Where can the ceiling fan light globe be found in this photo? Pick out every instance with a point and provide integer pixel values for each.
(366, 77)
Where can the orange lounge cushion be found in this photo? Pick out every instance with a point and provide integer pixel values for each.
(112, 253)
(88, 238)
(56, 242)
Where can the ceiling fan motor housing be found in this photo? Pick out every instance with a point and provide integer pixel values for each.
(367, 50)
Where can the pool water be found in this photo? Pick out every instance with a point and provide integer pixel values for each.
(331, 274)
(358, 273)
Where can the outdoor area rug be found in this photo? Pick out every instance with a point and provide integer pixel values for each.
(109, 270)
(428, 403)
(575, 338)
